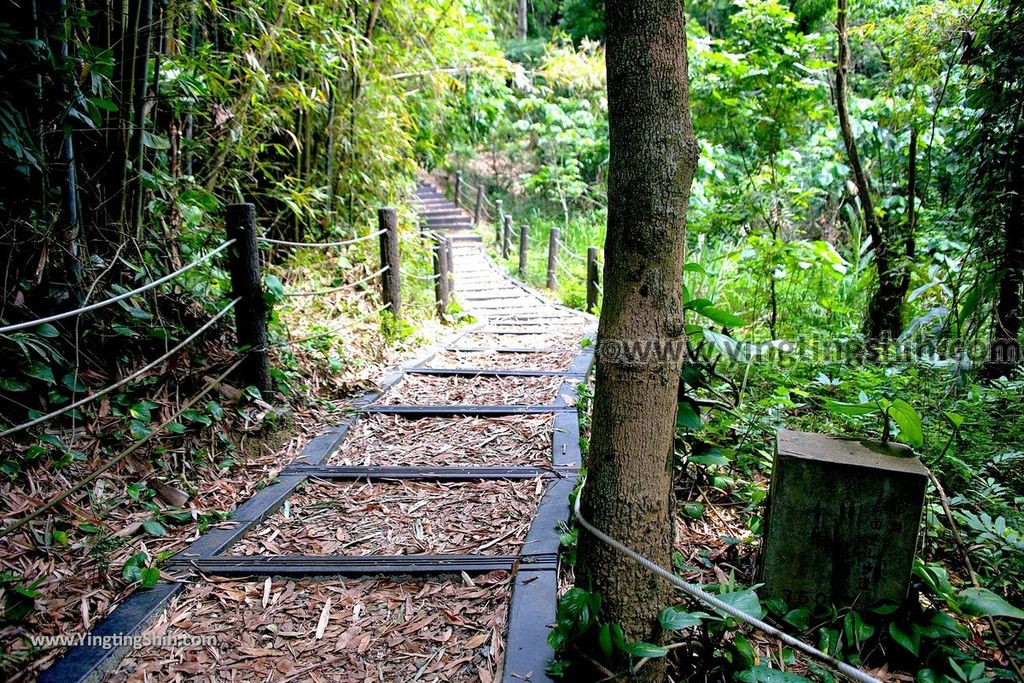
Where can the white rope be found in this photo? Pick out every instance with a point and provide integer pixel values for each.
(570, 252)
(343, 243)
(135, 375)
(702, 595)
(565, 268)
(119, 297)
(349, 285)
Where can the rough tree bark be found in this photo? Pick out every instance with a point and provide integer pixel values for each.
(884, 318)
(653, 156)
(521, 24)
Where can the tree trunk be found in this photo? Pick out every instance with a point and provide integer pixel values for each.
(653, 156)
(884, 318)
(140, 80)
(521, 25)
(1005, 350)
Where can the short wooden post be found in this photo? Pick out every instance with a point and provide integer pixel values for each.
(500, 206)
(390, 283)
(479, 206)
(524, 246)
(593, 279)
(506, 237)
(440, 275)
(553, 242)
(458, 187)
(251, 311)
(450, 258)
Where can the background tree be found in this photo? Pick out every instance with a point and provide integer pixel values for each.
(653, 157)
(997, 140)
(892, 241)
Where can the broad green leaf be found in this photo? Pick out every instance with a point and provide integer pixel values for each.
(697, 304)
(675, 619)
(47, 330)
(910, 641)
(274, 289)
(981, 602)
(150, 576)
(911, 430)
(215, 410)
(140, 411)
(154, 527)
(721, 316)
(139, 430)
(604, 640)
(745, 600)
(40, 371)
(693, 509)
(100, 103)
(154, 141)
(642, 649)
(193, 415)
(713, 456)
(686, 416)
(799, 617)
(8, 384)
(72, 383)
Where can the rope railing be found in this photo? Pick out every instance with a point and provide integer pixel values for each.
(564, 247)
(698, 593)
(468, 188)
(321, 245)
(331, 290)
(117, 385)
(248, 302)
(120, 297)
(95, 474)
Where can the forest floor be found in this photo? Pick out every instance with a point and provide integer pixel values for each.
(64, 572)
(434, 629)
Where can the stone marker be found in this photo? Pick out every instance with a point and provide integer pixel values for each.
(842, 520)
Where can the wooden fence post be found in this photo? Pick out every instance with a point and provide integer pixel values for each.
(506, 236)
(478, 207)
(440, 276)
(390, 283)
(247, 285)
(450, 260)
(524, 245)
(458, 187)
(500, 206)
(553, 242)
(593, 279)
